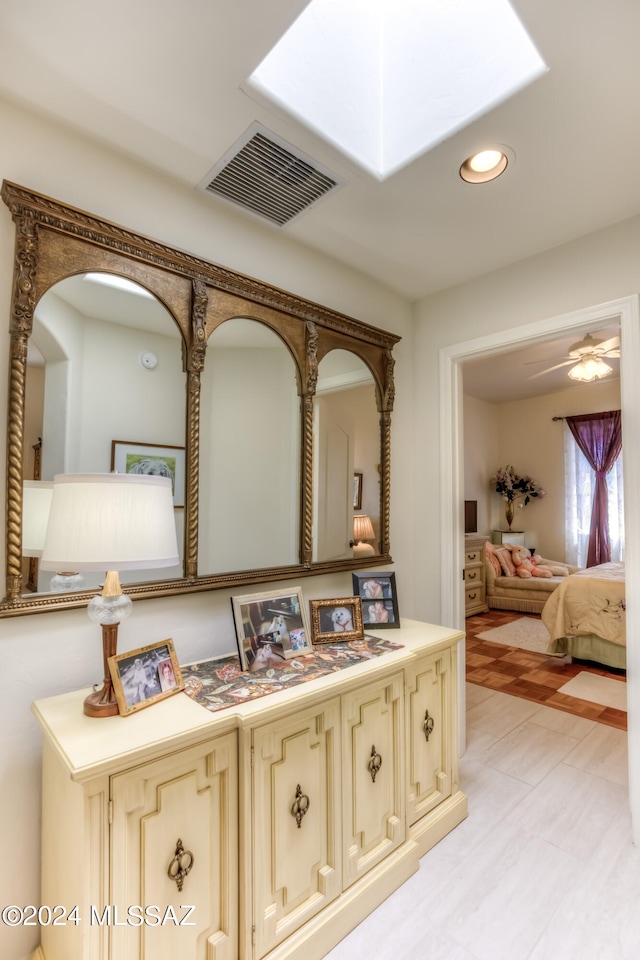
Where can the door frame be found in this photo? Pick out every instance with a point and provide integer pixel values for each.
(626, 311)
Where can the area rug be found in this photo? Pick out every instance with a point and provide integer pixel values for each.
(596, 689)
(526, 633)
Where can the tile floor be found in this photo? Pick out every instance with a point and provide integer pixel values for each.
(532, 676)
(542, 869)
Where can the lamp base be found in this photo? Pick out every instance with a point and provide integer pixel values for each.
(103, 703)
(362, 549)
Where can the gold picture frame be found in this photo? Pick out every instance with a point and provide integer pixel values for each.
(142, 677)
(339, 619)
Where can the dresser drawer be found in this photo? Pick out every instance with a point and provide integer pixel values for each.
(475, 599)
(473, 576)
(473, 555)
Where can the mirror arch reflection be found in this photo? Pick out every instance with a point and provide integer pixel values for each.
(346, 443)
(101, 357)
(249, 513)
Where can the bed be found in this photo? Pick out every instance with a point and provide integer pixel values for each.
(586, 615)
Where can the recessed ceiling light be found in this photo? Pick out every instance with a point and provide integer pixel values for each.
(484, 166)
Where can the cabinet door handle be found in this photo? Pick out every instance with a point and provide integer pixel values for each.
(180, 865)
(374, 764)
(428, 725)
(300, 805)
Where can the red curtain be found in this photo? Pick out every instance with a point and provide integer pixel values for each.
(599, 436)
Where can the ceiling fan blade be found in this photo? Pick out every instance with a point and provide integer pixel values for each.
(607, 345)
(549, 369)
(528, 363)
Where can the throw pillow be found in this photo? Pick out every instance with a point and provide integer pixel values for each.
(506, 563)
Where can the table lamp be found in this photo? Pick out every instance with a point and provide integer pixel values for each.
(362, 530)
(109, 522)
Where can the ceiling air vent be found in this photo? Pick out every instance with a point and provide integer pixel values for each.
(269, 177)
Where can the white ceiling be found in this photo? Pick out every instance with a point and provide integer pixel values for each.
(162, 84)
(503, 377)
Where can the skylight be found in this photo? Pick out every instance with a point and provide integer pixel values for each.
(387, 80)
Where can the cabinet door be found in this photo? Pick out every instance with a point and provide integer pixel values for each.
(373, 775)
(188, 797)
(429, 698)
(296, 866)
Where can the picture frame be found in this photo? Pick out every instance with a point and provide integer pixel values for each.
(333, 620)
(270, 624)
(377, 592)
(144, 676)
(132, 456)
(357, 491)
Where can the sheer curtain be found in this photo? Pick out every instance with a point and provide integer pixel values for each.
(579, 485)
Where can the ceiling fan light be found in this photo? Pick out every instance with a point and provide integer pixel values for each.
(590, 368)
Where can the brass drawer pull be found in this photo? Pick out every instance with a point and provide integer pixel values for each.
(374, 764)
(300, 805)
(428, 725)
(180, 865)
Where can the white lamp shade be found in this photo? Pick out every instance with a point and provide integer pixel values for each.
(36, 504)
(110, 521)
(362, 528)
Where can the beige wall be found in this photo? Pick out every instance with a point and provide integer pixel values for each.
(50, 653)
(524, 434)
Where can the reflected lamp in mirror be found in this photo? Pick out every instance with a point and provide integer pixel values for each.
(111, 522)
(36, 503)
(362, 531)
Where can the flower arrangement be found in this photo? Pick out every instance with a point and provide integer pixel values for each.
(512, 487)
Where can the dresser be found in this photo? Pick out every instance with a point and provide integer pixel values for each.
(475, 600)
(265, 830)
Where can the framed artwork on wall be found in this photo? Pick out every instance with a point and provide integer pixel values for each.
(130, 456)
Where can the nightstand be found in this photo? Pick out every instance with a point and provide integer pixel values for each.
(474, 580)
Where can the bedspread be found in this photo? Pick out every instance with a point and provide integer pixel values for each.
(590, 601)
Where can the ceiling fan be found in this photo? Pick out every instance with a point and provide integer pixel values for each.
(587, 357)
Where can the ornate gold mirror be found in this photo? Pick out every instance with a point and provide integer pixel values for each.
(221, 378)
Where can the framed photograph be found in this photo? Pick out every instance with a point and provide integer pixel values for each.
(357, 491)
(269, 626)
(333, 620)
(129, 456)
(379, 599)
(144, 676)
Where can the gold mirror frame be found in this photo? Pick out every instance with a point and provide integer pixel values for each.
(54, 241)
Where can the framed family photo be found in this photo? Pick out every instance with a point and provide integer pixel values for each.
(377, 592)
(270, 626)
(333, 620)
(129, 456)
(144, 676)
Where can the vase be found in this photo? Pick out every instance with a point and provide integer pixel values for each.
(508, 511)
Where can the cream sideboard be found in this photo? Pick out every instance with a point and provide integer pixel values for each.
(297, 814)
(475, 600)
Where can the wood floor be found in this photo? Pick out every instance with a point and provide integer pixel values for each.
(531, 676)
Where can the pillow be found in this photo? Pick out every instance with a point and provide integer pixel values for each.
(495, 563)
(557, 569)
(506, 563)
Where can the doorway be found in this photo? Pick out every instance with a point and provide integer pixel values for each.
(626, 312)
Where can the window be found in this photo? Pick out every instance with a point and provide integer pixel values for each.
(579, 484)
